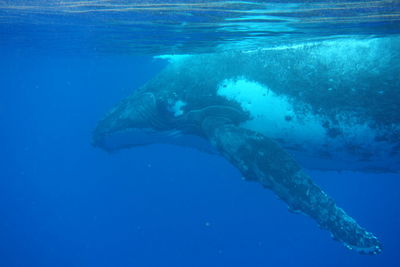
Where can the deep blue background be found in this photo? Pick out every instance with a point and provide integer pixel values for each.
(65, 203)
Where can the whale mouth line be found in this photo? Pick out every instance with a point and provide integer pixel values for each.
(130, 137)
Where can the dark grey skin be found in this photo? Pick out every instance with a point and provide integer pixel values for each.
(150, 115)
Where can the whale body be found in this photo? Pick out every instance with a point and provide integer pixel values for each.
(273, 113)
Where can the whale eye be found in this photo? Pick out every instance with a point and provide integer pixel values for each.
(333, 132)
(288, 118)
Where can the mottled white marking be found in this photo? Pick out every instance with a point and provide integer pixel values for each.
(271, 114)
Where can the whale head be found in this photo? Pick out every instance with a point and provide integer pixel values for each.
(136, 121)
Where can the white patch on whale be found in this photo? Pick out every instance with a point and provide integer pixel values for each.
(272, 114)
(172, 58)
(304, 134)
(177, 108)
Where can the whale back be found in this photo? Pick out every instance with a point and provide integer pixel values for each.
(334, 105)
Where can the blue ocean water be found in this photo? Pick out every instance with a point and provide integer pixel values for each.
(65, 203)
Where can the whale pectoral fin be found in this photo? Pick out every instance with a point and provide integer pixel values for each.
(261, 159)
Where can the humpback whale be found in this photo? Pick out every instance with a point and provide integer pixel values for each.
(273, 114)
